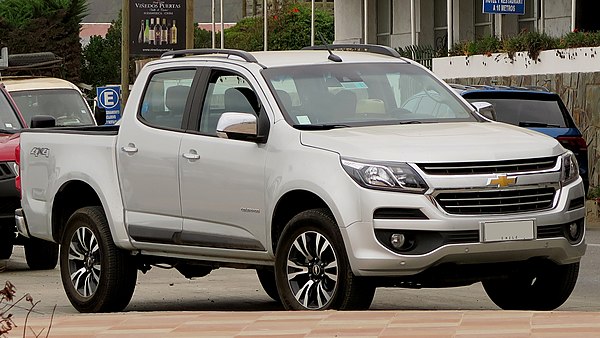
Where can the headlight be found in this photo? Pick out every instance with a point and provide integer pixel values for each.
(385, 176)
(570, 169)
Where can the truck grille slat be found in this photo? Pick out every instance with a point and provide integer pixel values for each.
(5, 171)
(496, 201)
(490, 167)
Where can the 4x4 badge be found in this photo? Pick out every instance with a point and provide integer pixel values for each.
(502, 181)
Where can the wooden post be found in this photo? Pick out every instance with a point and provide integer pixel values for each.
(124, 53)
(189, 24)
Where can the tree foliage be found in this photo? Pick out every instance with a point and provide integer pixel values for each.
(102, 57)
(28, 26)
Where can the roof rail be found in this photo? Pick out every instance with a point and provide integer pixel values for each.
(377, 49)
(207, 51)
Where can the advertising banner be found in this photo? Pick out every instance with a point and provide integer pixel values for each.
(156, 26)
(504, 6)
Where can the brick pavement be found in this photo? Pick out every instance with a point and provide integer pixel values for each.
(421, 324)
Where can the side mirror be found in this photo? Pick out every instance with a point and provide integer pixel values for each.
(486, 110)
(42, 121)
(100, 115)
(237, 126)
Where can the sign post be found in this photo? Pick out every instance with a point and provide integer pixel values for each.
(109, 98)
(504, 6)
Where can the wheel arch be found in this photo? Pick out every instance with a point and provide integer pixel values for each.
(289, 205)
(71, 196)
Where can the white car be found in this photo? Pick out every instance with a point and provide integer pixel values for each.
(310, 167)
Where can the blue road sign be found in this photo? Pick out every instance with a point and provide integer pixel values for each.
(109, 98)
(504, 6)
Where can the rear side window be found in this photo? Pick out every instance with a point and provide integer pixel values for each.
(527, 112)
(165, 98)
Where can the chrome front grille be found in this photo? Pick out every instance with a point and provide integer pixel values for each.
(489, 167)
(496, 201)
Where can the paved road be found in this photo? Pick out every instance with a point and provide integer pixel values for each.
(239, 290)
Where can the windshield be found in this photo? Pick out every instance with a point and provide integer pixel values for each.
(526, 112)
(362, 94)
(8, 116)
(66, 105)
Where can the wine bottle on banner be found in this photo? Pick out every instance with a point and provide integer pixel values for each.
(151, 33)
(164, 39)
(157, 32)
(147, 32)
(141, 33)
(174, 34)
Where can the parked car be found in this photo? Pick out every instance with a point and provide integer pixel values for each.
(310, 167)
(535, 108)
(50, 96)
(39, 254)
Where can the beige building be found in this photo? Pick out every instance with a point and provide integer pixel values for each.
(399, 23)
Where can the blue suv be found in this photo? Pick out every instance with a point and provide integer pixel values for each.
(535, 108)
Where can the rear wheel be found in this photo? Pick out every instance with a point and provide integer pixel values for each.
(541, 289)
(311, 267)
(97, 276)
(40, 254)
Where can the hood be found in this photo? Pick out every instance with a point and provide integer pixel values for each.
(8, 143)
(435, 142)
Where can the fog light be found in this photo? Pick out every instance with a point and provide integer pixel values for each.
(398, 240)
(573, 231)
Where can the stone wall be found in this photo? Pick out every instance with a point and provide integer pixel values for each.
(580, 93)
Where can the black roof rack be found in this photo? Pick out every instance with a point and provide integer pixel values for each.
(377, 49)
(207, 51)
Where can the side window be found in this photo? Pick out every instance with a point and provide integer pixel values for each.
(226, 92)
(165, 98)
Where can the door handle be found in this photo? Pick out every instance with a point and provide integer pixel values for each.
(130, 148)
(192, 155)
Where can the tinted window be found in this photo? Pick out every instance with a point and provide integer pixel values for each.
(363, 94)
(8, 117)
(66, 105)
(165, 98)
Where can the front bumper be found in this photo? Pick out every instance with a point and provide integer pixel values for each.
(368, 257)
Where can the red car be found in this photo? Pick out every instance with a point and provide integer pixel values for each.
(39, 254)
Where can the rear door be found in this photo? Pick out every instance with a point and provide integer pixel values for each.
(148, 157)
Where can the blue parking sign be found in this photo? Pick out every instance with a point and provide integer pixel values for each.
(504, 6)
(109, 98)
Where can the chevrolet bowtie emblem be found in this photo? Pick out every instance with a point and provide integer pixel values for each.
(502, 181)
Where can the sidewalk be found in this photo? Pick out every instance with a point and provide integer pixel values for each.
(420, 324)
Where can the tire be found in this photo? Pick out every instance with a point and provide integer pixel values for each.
(19, 60)
(266, 277)
(103, 275)
(7, 239)
(543, 289)
(40, 254)
(318, 275)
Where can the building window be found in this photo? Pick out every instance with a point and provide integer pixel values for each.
(528, 21)
(440, 24)
(384, 22)
(483, 22)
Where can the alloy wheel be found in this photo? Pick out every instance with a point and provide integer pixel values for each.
(84, 262)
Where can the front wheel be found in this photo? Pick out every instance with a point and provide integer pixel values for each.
(311, 267)
(541, 289)
(97, 276)
(7, 240)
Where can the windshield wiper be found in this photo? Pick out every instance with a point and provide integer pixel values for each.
(410, 122)
(537, 124)
(319, 126)
(9, 131)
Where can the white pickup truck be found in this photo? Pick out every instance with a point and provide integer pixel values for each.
(324, 170)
